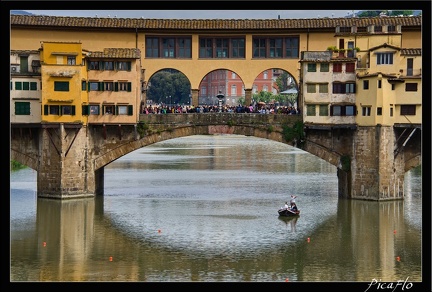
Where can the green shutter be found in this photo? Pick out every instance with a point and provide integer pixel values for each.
(18, 85)
(129, 86)
(73, 110)
(83, 85)
(100, 86)
(45, 110)
(130, 110)
(116, 86)
(33, 86)
(85, 110)
(129, 66)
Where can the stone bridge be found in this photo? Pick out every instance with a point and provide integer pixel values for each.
(70, 158)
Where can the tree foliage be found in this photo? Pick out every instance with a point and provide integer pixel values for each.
(169, 86)
(374, 13)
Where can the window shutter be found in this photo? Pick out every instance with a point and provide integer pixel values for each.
(331, 110)
(116, 85)
(73, 110)
(85, 110)
(129, 66)
(129, 86)
(45, 110)
(100, 85)
(130, 110)
(88, 86)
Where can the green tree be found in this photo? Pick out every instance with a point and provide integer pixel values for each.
(169, 86)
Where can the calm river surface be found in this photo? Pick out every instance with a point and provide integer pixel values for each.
(204, 209)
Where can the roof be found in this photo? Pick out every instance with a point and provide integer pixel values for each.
(125, 53)
(209, 24)
(411, 52)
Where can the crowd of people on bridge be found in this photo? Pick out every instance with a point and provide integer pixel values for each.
(187, 109)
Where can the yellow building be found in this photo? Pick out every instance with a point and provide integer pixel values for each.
(63, 74)
(390, 89)
(114, 86)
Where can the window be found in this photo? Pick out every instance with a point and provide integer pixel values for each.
(61, 86)
(221, 47)
(238, 48)
(83, 85)
(71, 60)
(54, 110)
(265, 75)
(344, 88)
(233, 90)
(410, 86)
(94, 109)
(384, 58)
(393, 86)
(124, 86)
(123, 66)
(323, 88)
(337, 67)
(33, 85)
(233, 75)
(350, 110)
(311, 67)
(378, 28)
(324, 67)
(259, 48)
(26, 86)
(184, 47)
(410, 64)
(275, 47)
(22, 108)
(67, 110)
(408, 110)
(122, 110)
(342, 110)
(108, 65)
(391, 28)
(350, 67)
(310, 110)
(366, 111)
(379, 111)
(168, 47)
(291, 47)
(93, 86)
(311, 88)
(365, 84)
(206, 48)
(18, 85)
(323, 110)
(350, 88)
(108, 109)
(93, 65)
(108, 86)
(152, 47)
(379, 83)
(336, 110)
(391, 111)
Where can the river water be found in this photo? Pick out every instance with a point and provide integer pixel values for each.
(204, 209)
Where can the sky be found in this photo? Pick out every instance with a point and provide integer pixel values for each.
(199, 14)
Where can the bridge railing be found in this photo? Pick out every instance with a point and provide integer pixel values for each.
(220, 118)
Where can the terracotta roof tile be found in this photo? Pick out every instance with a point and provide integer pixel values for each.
(119, 53)
(411, 52)
(209, 24)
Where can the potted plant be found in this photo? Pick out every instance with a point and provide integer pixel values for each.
(332, 48)
(342, 52)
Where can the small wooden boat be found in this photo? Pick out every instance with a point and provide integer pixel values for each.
(288, 212)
